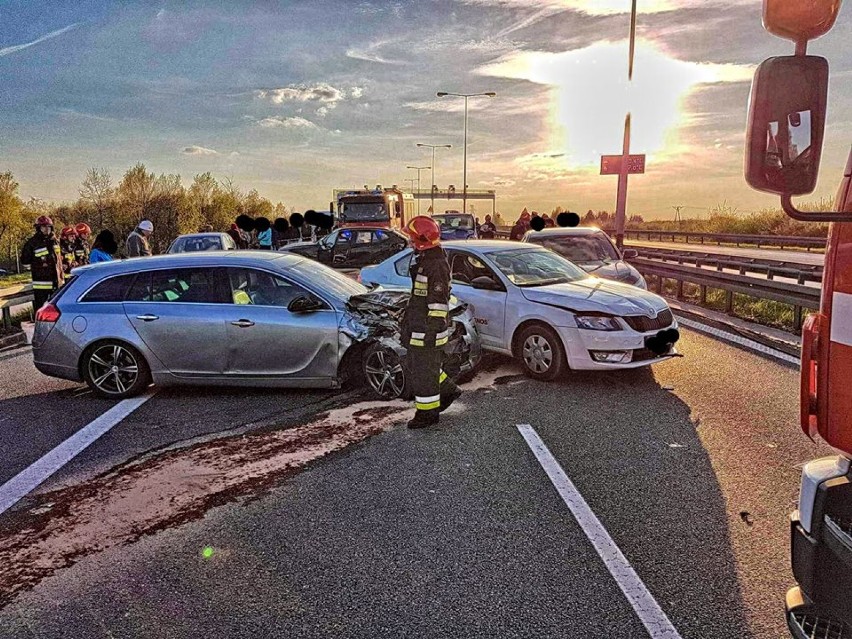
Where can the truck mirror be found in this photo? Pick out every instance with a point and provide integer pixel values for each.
(786, 124)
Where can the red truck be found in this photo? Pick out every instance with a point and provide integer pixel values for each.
(787, 112)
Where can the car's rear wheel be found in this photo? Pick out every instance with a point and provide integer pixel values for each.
(385, 372)
(540, 352)
(115, 370)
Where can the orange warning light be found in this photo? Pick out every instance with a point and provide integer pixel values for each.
(800, 20)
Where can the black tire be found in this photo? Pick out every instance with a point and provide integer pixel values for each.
(384, 372)
(115, 370)
(540, 352)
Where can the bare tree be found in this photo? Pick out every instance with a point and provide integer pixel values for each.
(98, 191)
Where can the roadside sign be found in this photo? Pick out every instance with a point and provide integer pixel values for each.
(611, 164)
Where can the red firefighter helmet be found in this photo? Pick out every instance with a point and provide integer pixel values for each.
(424, 232)
(68, 231)
(43, 220)
(83, 229)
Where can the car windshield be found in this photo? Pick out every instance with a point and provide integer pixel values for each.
(536, 267)
(328, 280)
(452, 222)
(365, 211)
(196, 243)
(579, 248)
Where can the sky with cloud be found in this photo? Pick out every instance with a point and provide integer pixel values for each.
(296, 99)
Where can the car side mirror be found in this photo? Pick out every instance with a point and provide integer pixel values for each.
(305, 304)
(786, 124)
(485, 283)
(629, 254)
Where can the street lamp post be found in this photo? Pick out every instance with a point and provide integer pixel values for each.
(433, 147)
(442, 94)
(418, 169)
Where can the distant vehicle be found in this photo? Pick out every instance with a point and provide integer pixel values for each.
(352, 247)
(385, 208)
(202, 242)
(592, 250)
(548, 313)
(3, 271)
(456, 226)
(241, 318)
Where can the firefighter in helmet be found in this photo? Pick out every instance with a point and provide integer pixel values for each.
(81, 246)
(425, 324)
(42, 254)
(67, 241)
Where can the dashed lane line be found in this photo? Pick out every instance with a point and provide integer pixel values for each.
(641, 600)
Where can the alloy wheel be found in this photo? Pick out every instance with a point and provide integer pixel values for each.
(113, 369)
(385, 373)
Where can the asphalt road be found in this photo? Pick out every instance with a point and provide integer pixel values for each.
(794, 257)
(353, 526)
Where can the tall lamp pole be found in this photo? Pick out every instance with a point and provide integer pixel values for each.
(621, 201)
(418, 169)
(433, 147)
(442, 94)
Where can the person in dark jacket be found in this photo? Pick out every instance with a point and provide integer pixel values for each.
(137, 242)
(521, 227)
(426, 323)
(44, 257)
(488, 230)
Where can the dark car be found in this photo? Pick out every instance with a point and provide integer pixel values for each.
(352, 247)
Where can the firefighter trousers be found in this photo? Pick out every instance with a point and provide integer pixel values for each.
(428, 381)
(40, 297)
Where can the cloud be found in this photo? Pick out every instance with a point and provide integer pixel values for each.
(322, 111)
(287, 123)
(19, 47)
(302, 93)
(356, 92)
(198, 150)
(595, 7)
(371, 53)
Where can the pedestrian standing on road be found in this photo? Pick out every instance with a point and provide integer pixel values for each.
(264, 233)
(521, 227)
(43, 255)
(81, 246)
(137, 241)
(548, 222)
(104, 248)
(488, 230)
(425, 323)
(237, 236)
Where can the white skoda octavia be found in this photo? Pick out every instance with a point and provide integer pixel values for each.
(547, 312)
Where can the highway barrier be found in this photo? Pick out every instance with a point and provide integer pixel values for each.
(14, 296)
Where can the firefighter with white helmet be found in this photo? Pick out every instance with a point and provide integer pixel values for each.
(43, 255)
(426, 324)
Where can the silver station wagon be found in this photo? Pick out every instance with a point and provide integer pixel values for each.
(250, 318)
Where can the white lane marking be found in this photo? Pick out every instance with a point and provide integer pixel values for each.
(33, 475)
(641, 600)
(841, 325)
(739, 339)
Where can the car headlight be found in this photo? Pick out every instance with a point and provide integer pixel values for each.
(597, 323)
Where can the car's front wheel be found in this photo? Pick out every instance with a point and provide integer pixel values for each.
(115, 370)
(540, 351)
(385, 372)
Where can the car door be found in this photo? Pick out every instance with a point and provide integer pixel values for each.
(343, 245)
(269, 341)
(325, 247)
(489, 306)
(385, 244)
(181, 316)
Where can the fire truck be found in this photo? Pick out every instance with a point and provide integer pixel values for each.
(786, 126)
(385, 207)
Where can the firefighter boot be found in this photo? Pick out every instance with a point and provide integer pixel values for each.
(424, 418)
(448, 396)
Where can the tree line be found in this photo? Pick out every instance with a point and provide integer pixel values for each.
(139, 195)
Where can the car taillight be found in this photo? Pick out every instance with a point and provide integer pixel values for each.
(48, 313)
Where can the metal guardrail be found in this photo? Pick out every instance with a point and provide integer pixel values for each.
(779, 241)
(796, 295)
(14, 296)
(770, 268)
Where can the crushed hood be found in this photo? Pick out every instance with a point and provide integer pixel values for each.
(592, 294)
(615, 270)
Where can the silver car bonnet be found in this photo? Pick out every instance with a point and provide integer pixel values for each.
(592, 294)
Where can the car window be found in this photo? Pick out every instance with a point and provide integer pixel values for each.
(186, 285)
(382, 236)
(345, 237)
(536, 267)
(260, 288)
(402, 266)
(465, 268)
(579, 248)
(364, 237)
(112, 289)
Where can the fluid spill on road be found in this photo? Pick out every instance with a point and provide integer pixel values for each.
(175, 487)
